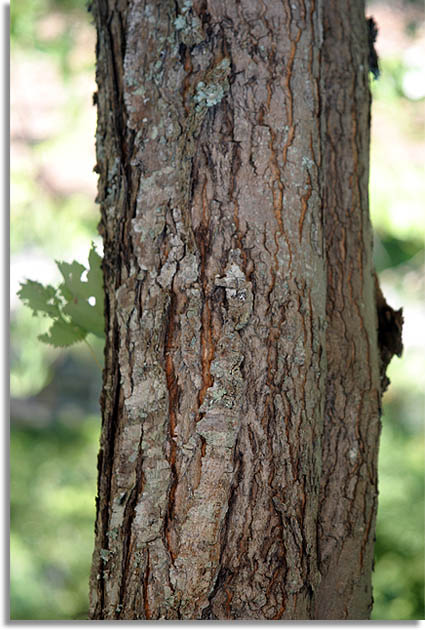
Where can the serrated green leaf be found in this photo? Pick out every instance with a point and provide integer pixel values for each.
(95, 278)
(40, 298)
(86, 316)
(65, 292)
(77, 293)
(73, 285)
(80, 302)
(63, 334)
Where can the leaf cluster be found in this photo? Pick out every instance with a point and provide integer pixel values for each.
(75, 306)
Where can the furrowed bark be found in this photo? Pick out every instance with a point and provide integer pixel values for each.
(348, 494)
(237, 469)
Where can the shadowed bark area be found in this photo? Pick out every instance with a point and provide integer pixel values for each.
(348, 492)
(241, 398)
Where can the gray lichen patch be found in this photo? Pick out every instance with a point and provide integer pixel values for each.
(208, 95)
(188, 25)
(239, 295)
(105, 554)
(211, 90)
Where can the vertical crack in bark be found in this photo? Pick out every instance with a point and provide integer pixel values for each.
(224, 574)
(172, 408)
(207, 344)
(290, 107)
(187, 80)
(111, 416)
(207, 349)
(234, 170)
(275, 180)
(127, 523)
(109, 96)
(145, 587)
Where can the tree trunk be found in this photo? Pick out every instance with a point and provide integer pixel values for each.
(242, 382)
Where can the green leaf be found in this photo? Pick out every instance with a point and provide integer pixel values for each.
(78, 293)
(95, 277)
(73, 285)
(85, 316)
(76, 306)
(40, 298)
(63, 334)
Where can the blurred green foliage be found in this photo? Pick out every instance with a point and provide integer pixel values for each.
(53, 216)
(399, 565)
(76, 305)
(53, 459)
(46, 221)
(53, 464)
(53, 485)
(397, 193)
(26, 17)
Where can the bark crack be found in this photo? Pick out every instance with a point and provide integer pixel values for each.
(173, 397)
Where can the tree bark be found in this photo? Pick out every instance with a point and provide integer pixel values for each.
(243, 374)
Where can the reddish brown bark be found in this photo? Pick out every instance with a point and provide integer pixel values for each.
(241, 399)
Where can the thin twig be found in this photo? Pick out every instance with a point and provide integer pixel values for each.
(93, 354)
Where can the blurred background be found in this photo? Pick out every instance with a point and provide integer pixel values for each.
(55, 418)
